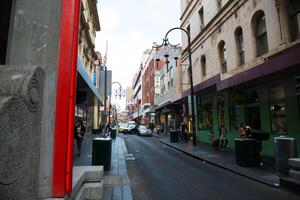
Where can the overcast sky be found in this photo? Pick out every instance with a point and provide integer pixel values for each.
(130, 27)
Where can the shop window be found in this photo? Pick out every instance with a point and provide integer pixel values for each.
(236, 103)
(253, 111)
(278, 110)
(260, 32)
(221, 111)
(5, 10)
(294, 12)
(204, 111)
(240, 45)
(233, 117)
(223, 58)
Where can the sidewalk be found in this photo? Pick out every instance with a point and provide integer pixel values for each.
(116, 181)
(225, 159)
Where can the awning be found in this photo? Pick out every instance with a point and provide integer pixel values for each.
(88, 81)
(162, 105)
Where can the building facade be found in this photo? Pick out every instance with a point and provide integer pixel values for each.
(245, 66)
(89, 62)
(38, 94)
(137, 95)
(129, 102)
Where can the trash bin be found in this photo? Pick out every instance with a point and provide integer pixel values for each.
(101, 152)
(174, 136)
(247, 152)
(285, 148)
(113, 133)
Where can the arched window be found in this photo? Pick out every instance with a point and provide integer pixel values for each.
(260, 33)
(294, 12)
(240, 45)
(203, 65)
(223, 58)
(220, 4)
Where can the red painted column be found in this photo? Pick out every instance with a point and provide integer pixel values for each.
(62, 175)
(72, 99)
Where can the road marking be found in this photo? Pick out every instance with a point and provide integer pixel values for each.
(129, 156)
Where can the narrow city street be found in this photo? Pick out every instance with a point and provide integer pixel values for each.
(159, 172)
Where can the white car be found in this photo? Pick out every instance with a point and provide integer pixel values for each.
(144, 130)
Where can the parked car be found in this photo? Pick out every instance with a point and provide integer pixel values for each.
(144, 130)
(122, 127)
(131, 128)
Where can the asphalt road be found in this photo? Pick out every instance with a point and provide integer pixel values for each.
(159, 172)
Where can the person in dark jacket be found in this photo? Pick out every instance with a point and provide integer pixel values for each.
(184, 131)
(79, 132)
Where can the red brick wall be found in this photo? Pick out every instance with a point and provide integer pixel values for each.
(148, 81)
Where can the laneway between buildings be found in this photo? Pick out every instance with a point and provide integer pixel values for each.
(160, 172)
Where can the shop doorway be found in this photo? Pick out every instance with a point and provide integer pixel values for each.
(253, 111)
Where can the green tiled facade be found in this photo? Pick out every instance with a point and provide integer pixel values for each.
(292, 117)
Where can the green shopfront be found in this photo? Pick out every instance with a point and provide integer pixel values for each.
(268, 100)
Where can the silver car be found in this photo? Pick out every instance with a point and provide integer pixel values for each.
(144, 130)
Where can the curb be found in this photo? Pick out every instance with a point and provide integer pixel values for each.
(221, 166)
(158, 136)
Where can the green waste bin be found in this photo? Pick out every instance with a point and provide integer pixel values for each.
(101, 153)
(113, 133)
(174, 136)
(247, 152)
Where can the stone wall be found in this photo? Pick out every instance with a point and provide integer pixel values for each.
(21, 91)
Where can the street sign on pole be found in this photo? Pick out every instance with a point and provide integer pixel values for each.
(108, 82)
(190, 105)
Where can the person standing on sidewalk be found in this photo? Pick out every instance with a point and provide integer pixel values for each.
(79, 134)
(242, 131)
(183, 130)
(223, 136)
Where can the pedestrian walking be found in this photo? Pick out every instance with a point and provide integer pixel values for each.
(79, 134)
(183, 130)
(214, 143)
(151, 126)
(162, 128)
(223, 136)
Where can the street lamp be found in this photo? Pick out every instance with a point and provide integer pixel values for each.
(120, 94)
(168, 50)
(104, 68)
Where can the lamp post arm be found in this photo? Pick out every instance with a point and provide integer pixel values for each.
(116, 82)
(190, 77)
(178, 28)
